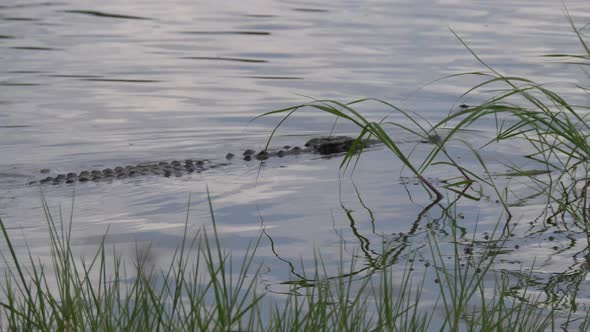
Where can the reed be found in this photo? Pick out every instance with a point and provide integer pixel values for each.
(201, 290)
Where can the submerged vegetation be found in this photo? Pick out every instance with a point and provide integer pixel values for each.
(205, 289)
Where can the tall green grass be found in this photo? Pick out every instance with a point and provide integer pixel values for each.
(198, 291)
(202, 290)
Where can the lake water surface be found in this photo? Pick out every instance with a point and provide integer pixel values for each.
(87, 84)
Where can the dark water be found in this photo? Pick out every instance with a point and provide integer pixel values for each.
(87, 86)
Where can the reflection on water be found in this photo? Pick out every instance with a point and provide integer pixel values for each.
(88, 87)
(103, 14)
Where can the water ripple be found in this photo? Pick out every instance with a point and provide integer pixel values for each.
(104, 14)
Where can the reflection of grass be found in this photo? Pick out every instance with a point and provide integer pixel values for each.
(201, 290)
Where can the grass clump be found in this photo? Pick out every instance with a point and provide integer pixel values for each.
(204, 289)
(198, 291)
(558, 133)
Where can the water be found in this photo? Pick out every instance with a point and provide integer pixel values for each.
(86, 86)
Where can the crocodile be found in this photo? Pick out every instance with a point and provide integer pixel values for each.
(323, 145)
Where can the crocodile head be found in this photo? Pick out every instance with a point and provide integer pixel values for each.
(330, 144)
